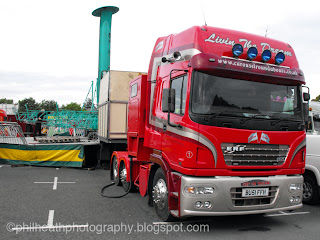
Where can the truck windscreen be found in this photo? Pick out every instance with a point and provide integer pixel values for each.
(218, 96)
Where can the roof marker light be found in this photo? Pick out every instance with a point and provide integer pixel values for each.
(237, 50)
(279, 58)
(252, 53)
(266, 55)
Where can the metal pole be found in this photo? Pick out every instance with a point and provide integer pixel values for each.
(92, 100)
(105, 14)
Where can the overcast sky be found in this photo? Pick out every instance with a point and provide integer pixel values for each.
(49, 49)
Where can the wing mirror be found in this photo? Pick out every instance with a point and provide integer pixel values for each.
(306, 96)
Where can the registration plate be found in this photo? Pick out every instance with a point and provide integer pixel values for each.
(255, 192)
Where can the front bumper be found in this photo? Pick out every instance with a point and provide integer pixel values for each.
(227, 199)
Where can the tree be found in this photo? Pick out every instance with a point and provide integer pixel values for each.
(317, 99)
(6, 101)
(30, 102)
(48, 105)
(72, 107)
(88, 103)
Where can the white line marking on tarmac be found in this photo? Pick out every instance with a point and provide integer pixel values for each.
(55, 183)
(161, 223)
(50, 218)
(49, 225)
(42, 182)
(286, 214)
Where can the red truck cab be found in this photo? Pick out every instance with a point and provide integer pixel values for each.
(217, 126)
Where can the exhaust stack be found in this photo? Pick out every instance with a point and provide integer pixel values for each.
(105, 14)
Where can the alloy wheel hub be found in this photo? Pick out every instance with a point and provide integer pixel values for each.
(123, 175)
(160, 194)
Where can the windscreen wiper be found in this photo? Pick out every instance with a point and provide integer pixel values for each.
(255, 116)
(275, 121)
(208, 118)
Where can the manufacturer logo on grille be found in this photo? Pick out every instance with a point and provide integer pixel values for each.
(254, 137)
(238, 148)
(255, 183)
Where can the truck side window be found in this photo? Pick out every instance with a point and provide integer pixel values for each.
(180, 85)
(134, 90)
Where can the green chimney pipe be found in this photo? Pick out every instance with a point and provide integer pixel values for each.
(105, 14)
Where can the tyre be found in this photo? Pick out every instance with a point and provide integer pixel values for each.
(123, 178)
(115, 171)
(160, 196)
(310, 190)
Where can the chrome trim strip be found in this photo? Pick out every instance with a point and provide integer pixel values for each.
(188, 133)
(301, 145)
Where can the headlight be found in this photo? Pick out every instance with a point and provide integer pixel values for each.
(199, 190)
(294, 187)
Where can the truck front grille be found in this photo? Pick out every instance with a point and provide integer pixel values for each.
(237, 154)
(238, 200)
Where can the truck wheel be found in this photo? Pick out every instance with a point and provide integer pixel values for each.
(115, 171)
(160, 196)
(310, 190)
(123, 178)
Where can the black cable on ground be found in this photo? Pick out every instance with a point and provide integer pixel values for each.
(113, 183)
